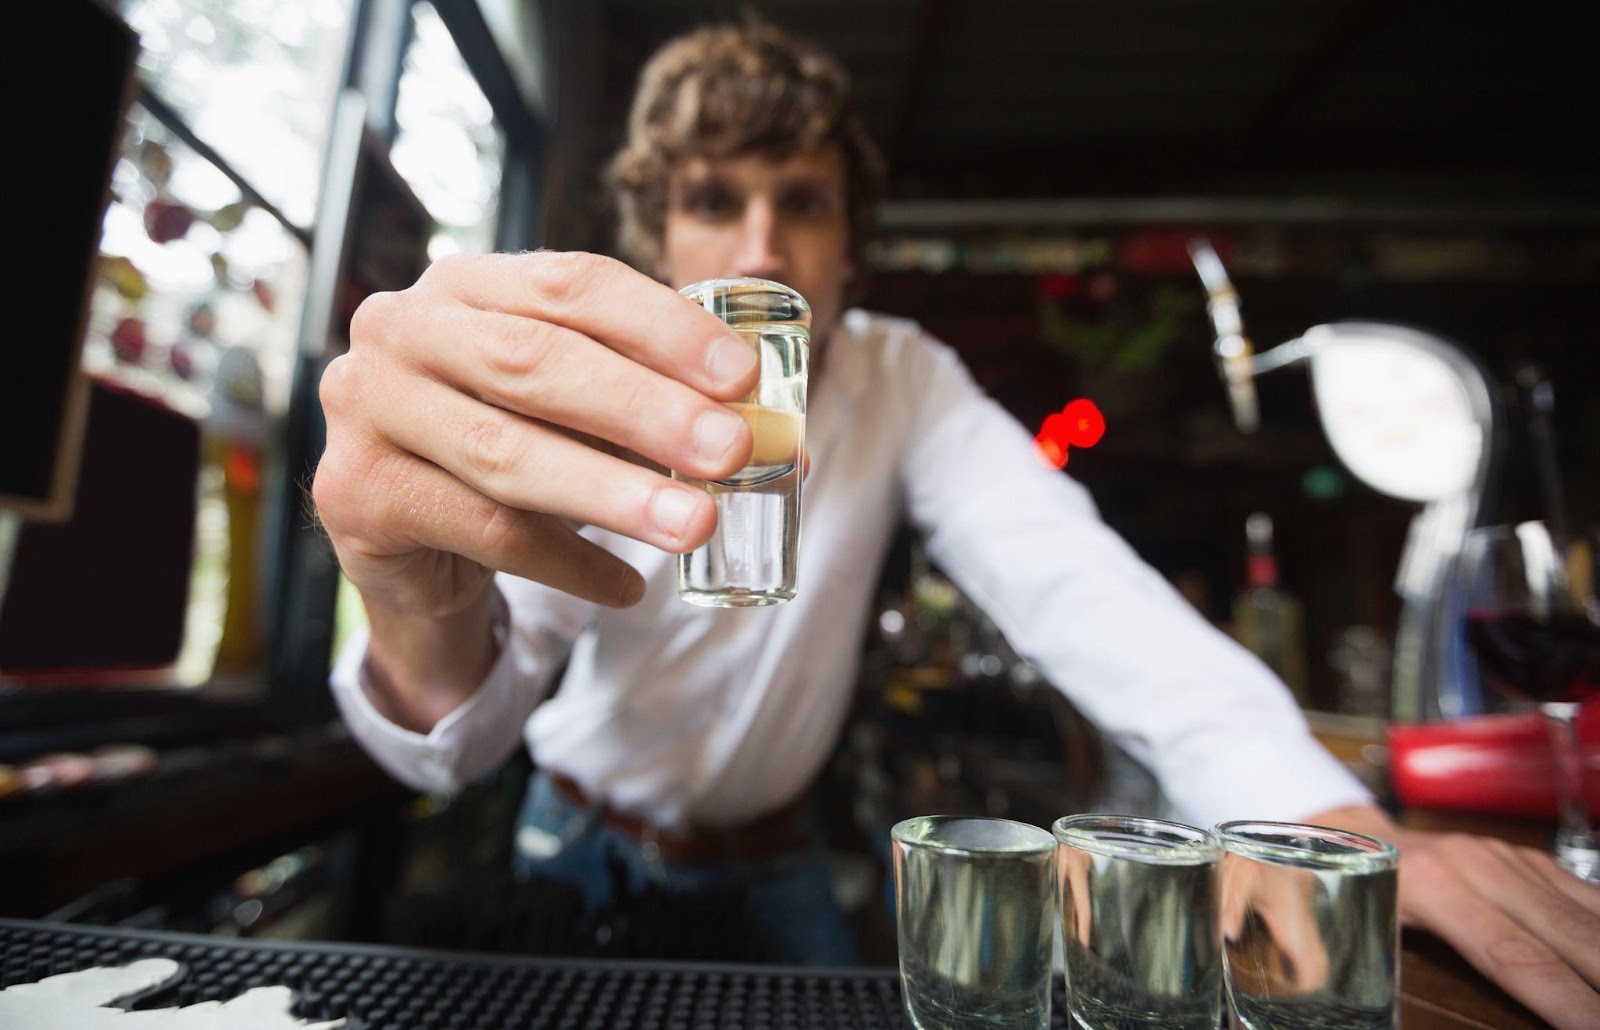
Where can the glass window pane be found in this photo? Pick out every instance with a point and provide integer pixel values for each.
(203, 270)
(449, 147)
(196, 308)
(254, 79)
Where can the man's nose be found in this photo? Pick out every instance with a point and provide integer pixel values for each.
(761, 252)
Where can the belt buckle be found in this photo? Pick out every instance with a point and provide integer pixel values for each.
(650, 847)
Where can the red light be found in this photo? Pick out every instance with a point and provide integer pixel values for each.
(1058, 287)
(1079, 424)
(1087, 424)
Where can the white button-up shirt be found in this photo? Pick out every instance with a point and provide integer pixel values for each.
(677, 712)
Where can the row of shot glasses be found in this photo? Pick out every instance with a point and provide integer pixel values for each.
(1162, 924)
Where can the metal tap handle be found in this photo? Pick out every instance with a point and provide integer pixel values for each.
(1233, 349)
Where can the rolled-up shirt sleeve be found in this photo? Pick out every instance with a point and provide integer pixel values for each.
(534, 629)
(1221, 733)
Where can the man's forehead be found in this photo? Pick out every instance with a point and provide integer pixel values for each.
(825, 164)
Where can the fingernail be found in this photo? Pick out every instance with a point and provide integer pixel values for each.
(731, 358)
(715, 432)
(672, 509)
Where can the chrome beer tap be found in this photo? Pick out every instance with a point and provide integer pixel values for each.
(1411, 415)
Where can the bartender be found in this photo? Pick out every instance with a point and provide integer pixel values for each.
(494, 486)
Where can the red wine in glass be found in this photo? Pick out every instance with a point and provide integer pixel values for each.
(1537, 657)
(1534, 623)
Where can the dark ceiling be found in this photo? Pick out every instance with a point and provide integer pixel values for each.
(1421, 100)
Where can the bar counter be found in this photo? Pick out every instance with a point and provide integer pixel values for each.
(1438, 988)
(379, 986)
(376, 986)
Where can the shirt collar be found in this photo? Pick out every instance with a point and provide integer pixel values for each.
(843, 376)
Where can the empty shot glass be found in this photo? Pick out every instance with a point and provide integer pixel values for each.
(1310, 926)
(1139, 923)
(975, 908)
(750, 558)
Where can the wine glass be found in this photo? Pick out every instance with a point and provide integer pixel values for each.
(1534, 623)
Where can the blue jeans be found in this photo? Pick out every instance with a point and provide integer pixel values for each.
(790, 897)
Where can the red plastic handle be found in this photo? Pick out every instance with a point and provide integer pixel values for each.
(1489, 763)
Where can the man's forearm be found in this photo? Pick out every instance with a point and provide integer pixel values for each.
(421, 668)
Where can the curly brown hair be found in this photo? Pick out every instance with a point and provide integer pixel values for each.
(730, 90)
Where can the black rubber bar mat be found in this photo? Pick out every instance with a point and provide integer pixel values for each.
(374, 986)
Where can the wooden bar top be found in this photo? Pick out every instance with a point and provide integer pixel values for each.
(1438, 988)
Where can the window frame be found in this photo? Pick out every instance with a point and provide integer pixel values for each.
(291, 687)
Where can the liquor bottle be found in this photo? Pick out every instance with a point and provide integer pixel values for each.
(1267, 619)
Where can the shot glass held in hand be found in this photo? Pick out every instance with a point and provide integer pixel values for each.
(1310, 926)
(1139, 923)
(975, 907)
(750, 558)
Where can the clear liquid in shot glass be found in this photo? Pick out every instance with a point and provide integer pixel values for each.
(751, 557)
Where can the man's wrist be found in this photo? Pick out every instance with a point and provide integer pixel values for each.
(1366, 819)
(420, 668)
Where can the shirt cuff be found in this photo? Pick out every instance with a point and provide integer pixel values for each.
(1284, 780)
(471, 740)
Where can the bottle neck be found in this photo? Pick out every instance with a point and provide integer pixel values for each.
(1261, 570)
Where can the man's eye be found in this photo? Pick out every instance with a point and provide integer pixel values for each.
(709, 203)
(807, 204)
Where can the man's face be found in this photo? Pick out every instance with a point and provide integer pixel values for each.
(752, 216)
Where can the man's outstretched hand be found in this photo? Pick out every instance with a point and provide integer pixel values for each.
(1521, 920)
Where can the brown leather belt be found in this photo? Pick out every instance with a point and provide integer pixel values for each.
(784, 830)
